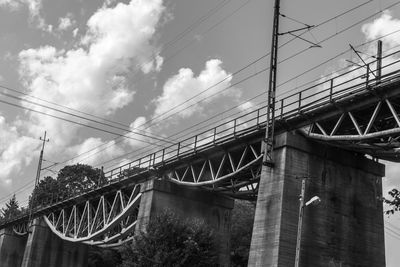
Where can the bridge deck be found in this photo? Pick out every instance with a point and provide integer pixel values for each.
(352, 90)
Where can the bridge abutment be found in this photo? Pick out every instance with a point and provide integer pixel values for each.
(345, 229)
(214, 209)
(44, 248)
(11, 248)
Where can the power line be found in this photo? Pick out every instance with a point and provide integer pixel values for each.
(191, 27)
(265, 55)
(62, 106)
(335, 18)
(248, 65)
(332, 58)
(340, 32)
(206, 120)
(257, 60)
(74, 122)
(174, 40)
(84, 118)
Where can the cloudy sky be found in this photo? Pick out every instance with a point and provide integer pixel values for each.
(89, 71)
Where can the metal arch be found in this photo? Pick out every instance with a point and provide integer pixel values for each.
(376, 134)
(117, 244)
(118, 239)
(96, 220)
(230, 172)
(21, 228)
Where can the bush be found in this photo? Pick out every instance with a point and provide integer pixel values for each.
(170, 241)
(241, 231)
(99, 257)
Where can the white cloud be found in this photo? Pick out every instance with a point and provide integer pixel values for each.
(138, 125)
(117, 38)
(100, 151)
(381, 26)
(385, 28)
(246, 106)
(90, 77)
(75, 32)
(15, 150)
(66, 22)
(34, 7)
(184, 85)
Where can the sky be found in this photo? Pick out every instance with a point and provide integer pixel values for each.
(159, 68)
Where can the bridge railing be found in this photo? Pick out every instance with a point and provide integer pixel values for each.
(217, 135)
(347, 83)
(340, 86)
(344, 84)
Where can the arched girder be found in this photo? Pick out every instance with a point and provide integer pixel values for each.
(373, 130)
(229, 171)
(20, 228)
(121, 235)
(119, 243)
(96, 219)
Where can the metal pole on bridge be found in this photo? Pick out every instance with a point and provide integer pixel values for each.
(44, 140)
(269, 131)
(258, 240)
(379, 62)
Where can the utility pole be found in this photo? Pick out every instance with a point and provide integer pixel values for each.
(44, 140)
(261, 237)
(269, 132)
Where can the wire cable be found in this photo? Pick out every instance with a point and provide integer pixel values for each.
(320, 24)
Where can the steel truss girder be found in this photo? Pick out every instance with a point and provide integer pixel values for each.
(105, 221)
(373, 130)
(20, 228)
(235, 172)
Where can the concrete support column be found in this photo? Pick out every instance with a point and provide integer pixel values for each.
(158, 195)
(44, 248)
(11, 248)
(345, 229)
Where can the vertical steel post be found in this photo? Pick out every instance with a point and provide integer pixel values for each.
(379, 63)
(270, 125)
(259, 236)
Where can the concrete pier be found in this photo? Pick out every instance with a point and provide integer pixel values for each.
(345, 229)
(12, 248)
(215, 210)
(44, 248)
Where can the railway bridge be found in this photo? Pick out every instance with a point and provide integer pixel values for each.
(328, 142)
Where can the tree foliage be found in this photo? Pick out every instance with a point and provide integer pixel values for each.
(46, 192)
(78, 178)
(241, 231)
(171, 241)
(101, 257)
(394, 202)
(11, 209)
(71, 180)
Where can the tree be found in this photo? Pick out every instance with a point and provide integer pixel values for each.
(71, 180)
(11, 210)
(394, 203)
(78, 178)
(45, 193)
(241, 231)
(101, 257)
(171, 241)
